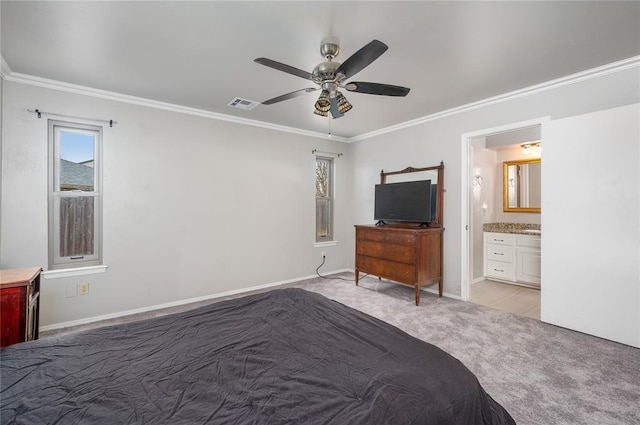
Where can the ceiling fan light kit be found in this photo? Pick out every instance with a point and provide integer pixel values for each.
(343, 103)
(330, 76)
(319, 112)
(323, 104)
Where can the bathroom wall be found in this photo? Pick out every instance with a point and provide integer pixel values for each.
(483, 202)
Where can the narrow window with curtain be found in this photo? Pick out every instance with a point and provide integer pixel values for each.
(324, 199)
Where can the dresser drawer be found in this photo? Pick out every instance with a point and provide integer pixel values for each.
(499, 238)
(399, 253)
(499, 270)
(499, 252)
(398, 238)
(400, 272)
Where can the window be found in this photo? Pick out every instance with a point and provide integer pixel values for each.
(324, 199)
(75, 203)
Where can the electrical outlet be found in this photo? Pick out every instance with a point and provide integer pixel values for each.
(84, 288)
(324, 254)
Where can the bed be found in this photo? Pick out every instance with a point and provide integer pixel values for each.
(287, 356)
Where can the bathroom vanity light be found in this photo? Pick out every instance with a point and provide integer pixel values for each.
(526, 148)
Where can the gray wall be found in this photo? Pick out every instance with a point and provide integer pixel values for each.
(192, 206)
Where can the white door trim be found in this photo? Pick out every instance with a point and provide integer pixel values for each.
(465, 172)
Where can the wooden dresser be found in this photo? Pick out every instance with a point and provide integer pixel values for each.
(405, 254)
(19, 305)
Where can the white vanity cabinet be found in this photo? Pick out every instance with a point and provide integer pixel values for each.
(499, 256)
(528, 259)
(512, 257)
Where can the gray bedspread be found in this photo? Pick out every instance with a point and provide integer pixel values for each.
(282, 357)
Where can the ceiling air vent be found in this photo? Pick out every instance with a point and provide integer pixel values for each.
(243, 103)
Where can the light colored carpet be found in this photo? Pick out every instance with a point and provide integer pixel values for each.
(542, 374)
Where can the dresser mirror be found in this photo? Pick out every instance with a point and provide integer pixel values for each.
(435, 174)
(521, 186)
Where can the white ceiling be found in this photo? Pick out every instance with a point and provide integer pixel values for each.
(200, 54)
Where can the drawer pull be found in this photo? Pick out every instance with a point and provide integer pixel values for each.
(498, 253)
(497, 270)
(499, 240)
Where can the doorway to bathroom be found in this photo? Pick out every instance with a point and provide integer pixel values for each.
(502, 216)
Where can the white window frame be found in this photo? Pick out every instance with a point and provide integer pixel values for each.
(56, 261)
(330, 238)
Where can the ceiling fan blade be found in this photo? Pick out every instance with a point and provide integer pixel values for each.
(334, 108)
(362, 58)
(284, 68)
(376, 88)
(289, 95)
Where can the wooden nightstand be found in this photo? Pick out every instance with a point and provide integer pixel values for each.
(19, 305)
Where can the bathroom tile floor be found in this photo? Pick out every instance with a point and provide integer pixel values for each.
(503, 296)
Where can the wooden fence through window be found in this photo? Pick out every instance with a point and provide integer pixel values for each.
(77, 226)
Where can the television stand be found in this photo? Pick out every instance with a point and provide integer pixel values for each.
(381, 223)
(405, 253)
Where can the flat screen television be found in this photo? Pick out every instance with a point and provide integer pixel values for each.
(405, 201)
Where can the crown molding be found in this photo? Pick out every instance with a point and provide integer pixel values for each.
(134, 100)
(622, 65)
(619, 66)
(5, 71)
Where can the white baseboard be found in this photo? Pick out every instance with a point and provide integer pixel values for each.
(444, 294)
(434, 291)
(109, 316)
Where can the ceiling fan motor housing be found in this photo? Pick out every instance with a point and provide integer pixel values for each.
(326, 71)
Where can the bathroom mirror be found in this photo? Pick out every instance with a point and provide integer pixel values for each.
(521, 191)
(435, 174)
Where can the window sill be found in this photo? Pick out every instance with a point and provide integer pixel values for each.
(327, 243)
(80, 271)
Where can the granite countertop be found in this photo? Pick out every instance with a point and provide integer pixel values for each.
(519, 228)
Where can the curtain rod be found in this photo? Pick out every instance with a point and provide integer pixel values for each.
(339, 154)
(40, 113)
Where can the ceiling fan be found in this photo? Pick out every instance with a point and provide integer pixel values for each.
(331, 76)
